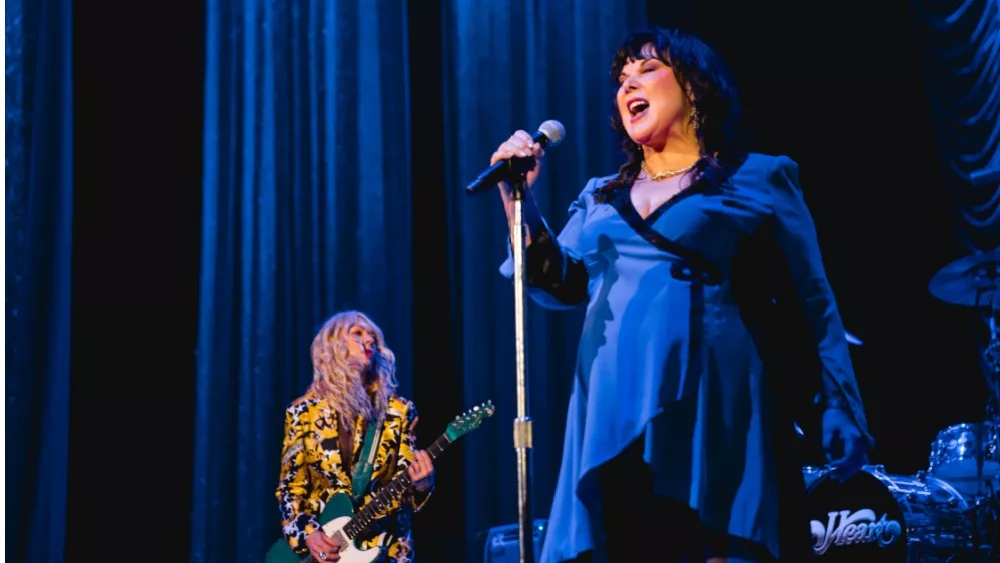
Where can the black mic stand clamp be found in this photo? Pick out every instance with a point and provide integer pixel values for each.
(991, 352)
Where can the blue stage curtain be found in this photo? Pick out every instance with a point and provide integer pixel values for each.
(509, 66)
(39, 237)
(306, 212)
(959, 38)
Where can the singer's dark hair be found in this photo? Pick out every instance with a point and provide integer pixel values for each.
(715, 99)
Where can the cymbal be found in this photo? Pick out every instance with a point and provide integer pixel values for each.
(968, 281)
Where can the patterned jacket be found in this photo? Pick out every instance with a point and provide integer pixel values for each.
(312, 472)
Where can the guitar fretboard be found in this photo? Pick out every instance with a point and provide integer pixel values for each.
(390, 492)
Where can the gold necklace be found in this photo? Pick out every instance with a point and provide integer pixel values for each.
(666, 173)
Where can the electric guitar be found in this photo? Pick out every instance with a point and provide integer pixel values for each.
(338, 519)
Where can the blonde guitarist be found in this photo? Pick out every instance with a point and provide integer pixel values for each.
(346, 438)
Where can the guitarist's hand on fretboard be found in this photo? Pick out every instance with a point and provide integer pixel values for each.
(421, 471)
(322, 546)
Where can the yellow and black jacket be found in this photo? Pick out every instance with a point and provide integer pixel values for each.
(312, 472)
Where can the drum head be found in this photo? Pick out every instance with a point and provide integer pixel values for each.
(857, 520)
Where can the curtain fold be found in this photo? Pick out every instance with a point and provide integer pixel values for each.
(39, 237)
(960, 37)
(306, 212)
(509, 66)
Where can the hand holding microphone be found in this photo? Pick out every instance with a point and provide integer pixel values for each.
(521, 152)
(520, 145)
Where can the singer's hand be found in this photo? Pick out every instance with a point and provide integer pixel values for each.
(519, 144)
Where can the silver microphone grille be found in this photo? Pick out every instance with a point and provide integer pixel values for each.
(554, 131)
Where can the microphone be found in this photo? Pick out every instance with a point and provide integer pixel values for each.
(550, 134)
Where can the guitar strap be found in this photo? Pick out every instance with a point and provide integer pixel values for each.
(363, 469)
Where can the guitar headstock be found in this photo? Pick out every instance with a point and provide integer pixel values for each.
(469, 420)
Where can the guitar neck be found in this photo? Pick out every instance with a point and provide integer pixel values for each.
(390, 492)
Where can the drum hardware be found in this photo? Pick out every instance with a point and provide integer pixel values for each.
(974, 281)
(966, 454)
(885, 518)
(947, 513)
(992, 541)
(968, 281)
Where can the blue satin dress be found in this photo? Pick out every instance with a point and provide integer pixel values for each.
(665, 354)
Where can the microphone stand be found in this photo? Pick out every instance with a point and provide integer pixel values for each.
(522, 424)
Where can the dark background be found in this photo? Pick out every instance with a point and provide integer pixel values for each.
(839, 89)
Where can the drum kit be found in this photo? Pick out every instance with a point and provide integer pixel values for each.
(949, 512)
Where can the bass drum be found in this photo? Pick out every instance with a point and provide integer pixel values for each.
(883, 518)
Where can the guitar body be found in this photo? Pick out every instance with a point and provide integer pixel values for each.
(337, 513)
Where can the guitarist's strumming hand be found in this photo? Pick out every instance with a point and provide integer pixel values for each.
(421, 471)
(322, 546)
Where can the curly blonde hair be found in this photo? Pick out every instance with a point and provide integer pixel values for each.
(350, 388)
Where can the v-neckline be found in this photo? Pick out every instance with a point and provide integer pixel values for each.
(624, 204)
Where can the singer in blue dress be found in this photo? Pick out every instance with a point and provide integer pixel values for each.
(699, 267)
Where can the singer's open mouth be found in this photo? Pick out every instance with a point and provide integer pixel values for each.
(637, 107)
